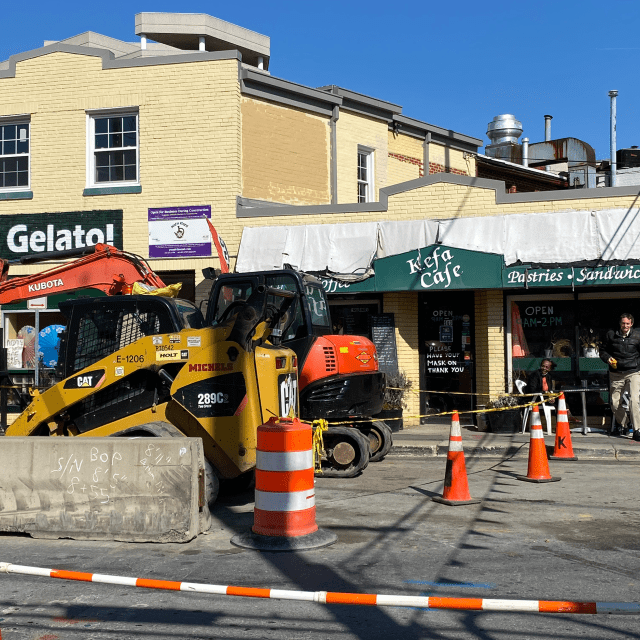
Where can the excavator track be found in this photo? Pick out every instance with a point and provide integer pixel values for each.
(380, 438)
(347, 453)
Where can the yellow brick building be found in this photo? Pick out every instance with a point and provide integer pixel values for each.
(99, 134)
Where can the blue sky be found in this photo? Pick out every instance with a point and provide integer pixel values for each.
(452, 64)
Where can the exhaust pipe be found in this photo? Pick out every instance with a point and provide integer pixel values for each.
(614, 178)
(547, 128)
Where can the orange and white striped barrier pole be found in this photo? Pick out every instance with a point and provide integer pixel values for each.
(284, 517)
(329, 597)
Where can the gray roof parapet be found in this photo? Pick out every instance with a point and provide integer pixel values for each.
(183, 30)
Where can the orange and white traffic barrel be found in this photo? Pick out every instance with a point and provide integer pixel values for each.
(285, 510)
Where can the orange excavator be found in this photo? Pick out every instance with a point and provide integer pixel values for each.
(339, 378)
(101, 266)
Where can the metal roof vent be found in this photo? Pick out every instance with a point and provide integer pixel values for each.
(504, 129)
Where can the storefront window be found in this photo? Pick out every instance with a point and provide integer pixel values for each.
(542, 328)
(353, 318)
(570, 331)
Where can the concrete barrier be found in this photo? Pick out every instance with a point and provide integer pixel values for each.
(125, 489)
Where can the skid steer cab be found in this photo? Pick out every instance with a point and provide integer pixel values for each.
(338, 374)
(148, 366)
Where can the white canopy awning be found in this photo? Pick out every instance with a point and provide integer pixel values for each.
(532, 238)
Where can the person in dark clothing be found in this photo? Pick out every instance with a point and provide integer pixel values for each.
(621, 351)
(540, 381)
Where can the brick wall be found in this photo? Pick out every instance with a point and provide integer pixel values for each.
(405, 157)
(285, 154)
(489, 336)
(434, 167)
(189, 135)
(353, 130)
(446, 160)
(404, 306)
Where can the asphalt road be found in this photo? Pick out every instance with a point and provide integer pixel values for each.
(577, 539)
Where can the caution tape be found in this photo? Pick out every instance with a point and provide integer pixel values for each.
(546, 398)
(463, 393)
(332, 597)
(319, 427)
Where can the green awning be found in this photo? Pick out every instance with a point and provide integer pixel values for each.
(514, 277)
(439, 267)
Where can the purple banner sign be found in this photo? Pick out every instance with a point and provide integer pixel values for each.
(179, 232)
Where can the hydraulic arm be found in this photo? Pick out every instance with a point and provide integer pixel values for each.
(100, 267)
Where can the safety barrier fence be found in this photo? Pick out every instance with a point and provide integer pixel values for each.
(329, 597)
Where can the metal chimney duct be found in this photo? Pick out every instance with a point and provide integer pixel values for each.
(547, 128)
(614, 178)
(525, 152)
(504, 131)
(504, 128)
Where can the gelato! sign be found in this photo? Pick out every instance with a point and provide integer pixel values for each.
(28, 234)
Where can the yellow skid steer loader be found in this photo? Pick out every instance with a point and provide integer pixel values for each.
(148, 366)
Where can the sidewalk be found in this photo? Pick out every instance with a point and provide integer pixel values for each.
(432, 439)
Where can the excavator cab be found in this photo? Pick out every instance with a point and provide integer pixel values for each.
(306, 318)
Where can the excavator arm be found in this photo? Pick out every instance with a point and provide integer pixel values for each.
(100, 267)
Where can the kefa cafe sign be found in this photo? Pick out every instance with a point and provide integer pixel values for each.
(29, 234)
(437, 268)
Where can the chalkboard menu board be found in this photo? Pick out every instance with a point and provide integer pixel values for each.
(383, 334)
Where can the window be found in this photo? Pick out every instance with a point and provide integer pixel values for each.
(113, 149)
(365, 175)
(317, 300)
(14, 155)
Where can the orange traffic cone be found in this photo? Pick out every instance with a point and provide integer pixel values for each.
(563, 449)
(538, 470)
(456, 487)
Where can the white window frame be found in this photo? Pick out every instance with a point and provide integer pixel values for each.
(368, 183)
(94, 115)
(17, 121)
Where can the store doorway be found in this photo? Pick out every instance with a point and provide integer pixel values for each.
(447, 353)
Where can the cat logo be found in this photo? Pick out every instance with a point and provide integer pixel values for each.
(183, 354)
(288, 396)
(90, 380)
